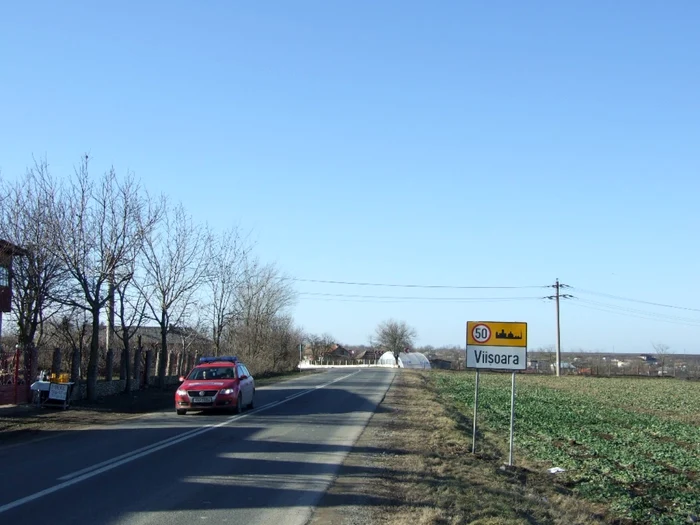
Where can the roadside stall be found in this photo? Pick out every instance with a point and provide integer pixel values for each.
(52, 391)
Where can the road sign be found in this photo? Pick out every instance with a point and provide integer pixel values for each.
(497, 334)
(497, 345)
(481, 333)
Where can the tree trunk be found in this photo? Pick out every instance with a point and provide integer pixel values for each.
(56, 362)
(163, 363)
(31, 365)
(171, 359)
(149, 366)
(94, 356)
(109, 368)
(137, 362)
(75, 366)
(163, 360)
(126, 366)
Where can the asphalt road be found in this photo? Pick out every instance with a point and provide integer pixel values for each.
(269, 465)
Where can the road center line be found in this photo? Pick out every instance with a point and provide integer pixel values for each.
(105, 466)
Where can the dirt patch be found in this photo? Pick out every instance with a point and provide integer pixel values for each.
(20, 423)
(413, 464)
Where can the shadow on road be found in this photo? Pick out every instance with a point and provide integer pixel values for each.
(278, 456)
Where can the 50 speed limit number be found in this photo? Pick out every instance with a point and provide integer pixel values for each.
(481, 333)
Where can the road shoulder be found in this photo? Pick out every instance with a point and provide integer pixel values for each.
(412, 464)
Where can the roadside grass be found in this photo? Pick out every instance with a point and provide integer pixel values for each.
(413, 464)
(631, 444)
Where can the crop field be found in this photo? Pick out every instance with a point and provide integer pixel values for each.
(632, 444)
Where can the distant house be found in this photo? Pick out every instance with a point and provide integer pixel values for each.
(443, 364)
(648, 358)
(563, 366)
(370, 355)
(340, 352)
(533, 364)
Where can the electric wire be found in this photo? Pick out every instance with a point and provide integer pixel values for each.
(639, 312)
(648, 317)
(416, 298)
(426, 286)
(620, 298)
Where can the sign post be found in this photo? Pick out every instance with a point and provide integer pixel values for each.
(496, 346)
(512, 419)
(476, 404)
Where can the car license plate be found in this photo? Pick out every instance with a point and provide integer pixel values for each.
(201, 399)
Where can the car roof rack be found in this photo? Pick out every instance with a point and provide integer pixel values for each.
(226, 358)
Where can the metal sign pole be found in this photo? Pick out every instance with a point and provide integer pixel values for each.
(476, 405)
(512, 418)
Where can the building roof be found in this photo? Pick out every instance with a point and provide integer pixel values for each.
(12, 249)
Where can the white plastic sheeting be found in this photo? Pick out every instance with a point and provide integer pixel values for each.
(413, 360)
(410, 360)
(387, 359)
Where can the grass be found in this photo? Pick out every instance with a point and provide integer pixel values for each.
(633, 444)
(413, 464)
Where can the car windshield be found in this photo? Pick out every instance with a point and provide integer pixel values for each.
(213, 372)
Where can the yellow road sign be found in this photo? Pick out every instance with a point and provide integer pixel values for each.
(489, 333)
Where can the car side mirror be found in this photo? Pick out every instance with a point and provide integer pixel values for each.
(243, 377)
(181, 379)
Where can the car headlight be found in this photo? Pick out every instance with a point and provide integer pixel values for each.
(181, 392)
(227, 391)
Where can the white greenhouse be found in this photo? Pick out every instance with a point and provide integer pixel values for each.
(387, 359)
(410, 360)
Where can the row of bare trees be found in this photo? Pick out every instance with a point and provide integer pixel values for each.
(104, 249)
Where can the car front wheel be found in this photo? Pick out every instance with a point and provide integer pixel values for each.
(239, 404)
(181, 412)
(252, 401)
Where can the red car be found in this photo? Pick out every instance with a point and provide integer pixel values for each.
(216, 383)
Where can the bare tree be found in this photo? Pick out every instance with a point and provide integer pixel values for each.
(37, 274)
(662, 352)
(72, 329)
(131, 312)
(285, 340)
(174, 266)
(394, 336)
(97, 229)
(262, 296)
(547, 353)
(190, 335)
(228, 256)
(319, 345)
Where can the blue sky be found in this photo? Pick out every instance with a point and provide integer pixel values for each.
(451, 143)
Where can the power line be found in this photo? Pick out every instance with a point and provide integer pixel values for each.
(414, 298)
(395, 301)
(431, 286)
(609, 310)
(635, 312)
(620, 298)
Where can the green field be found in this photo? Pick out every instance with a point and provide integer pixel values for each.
(633, 444)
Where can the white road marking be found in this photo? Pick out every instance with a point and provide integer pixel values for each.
(105, 466)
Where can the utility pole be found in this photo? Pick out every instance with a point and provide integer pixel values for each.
(556, 297)
(556, 286)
